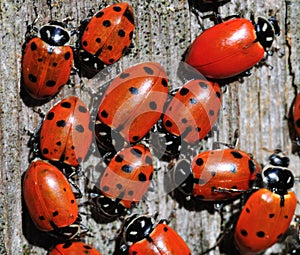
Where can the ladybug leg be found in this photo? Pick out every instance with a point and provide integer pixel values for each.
(221, 190)
(78, 193)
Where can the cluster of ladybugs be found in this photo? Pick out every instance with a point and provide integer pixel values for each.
(141, 102)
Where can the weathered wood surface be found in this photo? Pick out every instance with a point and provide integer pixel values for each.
(259, 107)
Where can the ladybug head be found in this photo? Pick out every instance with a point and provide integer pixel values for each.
(278, 179)
(265, 30)
(137, 228)
(278, 158)
(54, 34)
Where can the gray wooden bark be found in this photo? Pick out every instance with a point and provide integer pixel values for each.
(259, 107)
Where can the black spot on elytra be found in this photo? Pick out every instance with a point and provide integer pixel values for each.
(106, 23)
(199, 161)
(164, 82)
(117, 8)
(136, 152)
(84, 43)
(124, 75)
(58, 143)
(61, 123)
(153, 105)
(211, 112)
(104, 114)
(50, 116)
(134, 91)
(50, 83)
(45, 151)
(121, 33)
(184, 91)
(244, 232)
(166, 229)
(119, 158)
(82, 109)
(66, 105)
(55, 213)
(67, 56)
(184, 120)
(148, 70)
(33, 46)
(119, 186)
(41, 218)
(98, 40)
(297, 123)
(168, 123)
(203, 85)
(271, 215)
(99, 14)
(135, 138)
(193, 101)
(32, 77)
(236, 154)
(127, 168)
(130, 192)
(72, 201)
(218, 94)
(105, 188)
(54, 64)
(260, 234)
(87, 247)
(142, 177)
(79, 128)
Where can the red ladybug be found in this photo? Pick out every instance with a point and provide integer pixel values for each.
(142, 236)
(107, 36)
(268, 212)
(66, 134)
(50, 199)
(125, 180)
(297, 115)
(47, 61)
(193, 111)
(232, 47)
(216, 175)
(137, 94)
(73, 248)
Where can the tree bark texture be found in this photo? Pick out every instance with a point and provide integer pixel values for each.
(259, 107)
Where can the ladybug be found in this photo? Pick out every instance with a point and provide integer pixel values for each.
(47, 61)
(232, 47)
(216, 175)
(137, 94)
(124, 182)
(66, 133)
(73, 248)
(193, 110)
(142, 236)
(296, 114)
(50, 200)
(269, 209)
(105, 37)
